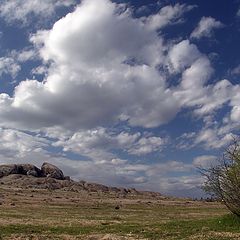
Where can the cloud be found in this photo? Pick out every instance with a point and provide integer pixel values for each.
(99, 80)
(205, 27)
(235, 103)
(9, 66)
(25, 55)
(166, 16)
(235, 71)
(205, 161)
(119, 36)
(22, 11)
(194, 91)
(181, 184)
(141, 176)
(194, 77)
(213, 135)
(238, 13)
(22, 147)
(108, 69)
(109, 79)
(11, 63)
(169, 167)
(212, 138)
(204, 99)
(99, 144)
(94, 73)
(196, 70)
(147, 145)
(235, 113)
(17, 144)
(182, 55)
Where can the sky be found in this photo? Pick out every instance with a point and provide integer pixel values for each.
(134, 93)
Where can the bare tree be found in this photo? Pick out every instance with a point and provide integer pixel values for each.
(223, 179)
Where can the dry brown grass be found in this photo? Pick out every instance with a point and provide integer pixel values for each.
(43, 214)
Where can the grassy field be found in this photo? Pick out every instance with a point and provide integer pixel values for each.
(43, 214)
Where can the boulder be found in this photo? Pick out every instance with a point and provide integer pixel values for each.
(51, 171)
(33, 173)
(6, 170)
(28, 169)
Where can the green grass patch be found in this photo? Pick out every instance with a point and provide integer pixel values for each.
(171, 230)
(182, 229)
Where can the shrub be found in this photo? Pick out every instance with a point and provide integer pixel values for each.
(223, 179)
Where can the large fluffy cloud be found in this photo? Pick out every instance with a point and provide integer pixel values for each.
(103, 69)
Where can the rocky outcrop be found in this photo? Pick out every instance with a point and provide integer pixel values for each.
(51, 171)
(36, 183)
(52, 178)
(24, 169)
(47, 170)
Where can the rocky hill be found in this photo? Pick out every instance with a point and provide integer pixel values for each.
(52, 178)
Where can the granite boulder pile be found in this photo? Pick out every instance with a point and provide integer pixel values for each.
(47, 170)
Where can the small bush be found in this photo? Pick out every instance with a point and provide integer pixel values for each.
(223, 180)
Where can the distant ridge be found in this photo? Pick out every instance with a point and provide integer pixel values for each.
(52, 178)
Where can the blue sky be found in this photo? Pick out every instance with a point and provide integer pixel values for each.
(125, 93)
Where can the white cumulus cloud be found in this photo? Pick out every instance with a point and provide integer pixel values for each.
(17, 144)
(205, 27)
(89, 83)
(21, 11)
(98, 144)
(205, 161)
(167, 15)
